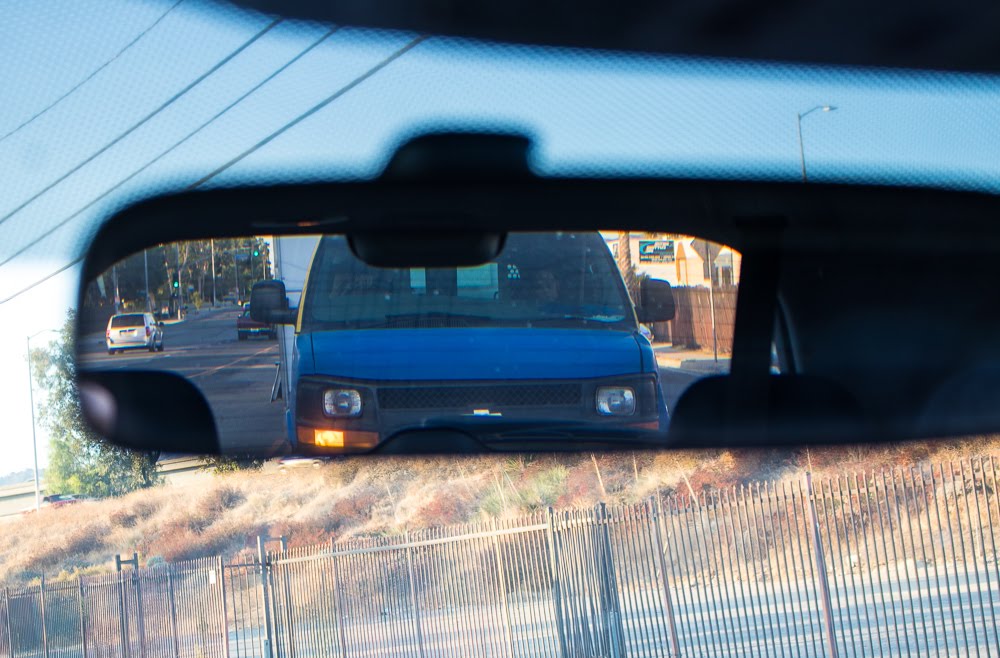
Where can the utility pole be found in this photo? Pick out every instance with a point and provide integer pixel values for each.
(212, 243)
(711, 300)
(236, 269)
(180, 284)
(145, 269)
(114, 277)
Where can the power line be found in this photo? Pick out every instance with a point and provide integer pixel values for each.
(42, 280)
(201, 181)
(176, 145)
(313, 110)
(94, 73)
(142, 121)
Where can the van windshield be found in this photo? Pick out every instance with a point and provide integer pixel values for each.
(548, 280)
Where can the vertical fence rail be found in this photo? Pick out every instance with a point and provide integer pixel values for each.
(901, 562)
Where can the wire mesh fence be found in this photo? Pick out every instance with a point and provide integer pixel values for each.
(900, 562)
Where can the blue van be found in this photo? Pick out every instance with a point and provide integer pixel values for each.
(541, 340)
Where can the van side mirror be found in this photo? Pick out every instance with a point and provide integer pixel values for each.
(656, 301)
(269, 303)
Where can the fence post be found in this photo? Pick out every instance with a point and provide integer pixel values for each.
(45, 632)
(824, 583)
(140, 620)
(556, 586)
(338, 606)
(122, 617)
(609, 587)
(288, 600)
(413, 596)
(6, 607)
(83, 617)
(265, 601)
(225, 607)
(656, 514)
(502, 586)
(173, 610)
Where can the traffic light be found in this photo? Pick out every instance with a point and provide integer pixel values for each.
(176, 283)
(256, 252)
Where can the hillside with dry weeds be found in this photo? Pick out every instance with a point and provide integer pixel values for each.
(223, 514)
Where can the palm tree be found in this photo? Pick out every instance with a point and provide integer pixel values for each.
(624, 261)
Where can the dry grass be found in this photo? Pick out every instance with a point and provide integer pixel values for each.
(223, 514)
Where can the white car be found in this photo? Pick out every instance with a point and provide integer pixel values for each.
(134, 331)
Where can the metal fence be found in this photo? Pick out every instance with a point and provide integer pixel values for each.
(901, 562)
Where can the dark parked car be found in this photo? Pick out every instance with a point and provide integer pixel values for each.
(247, 327)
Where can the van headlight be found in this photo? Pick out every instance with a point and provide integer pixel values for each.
(342, 402)
(615, 401)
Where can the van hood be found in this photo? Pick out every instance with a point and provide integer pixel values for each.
(472, 354)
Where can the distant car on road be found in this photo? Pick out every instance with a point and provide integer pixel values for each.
(246, 327)
(134, 331)
(60, 500)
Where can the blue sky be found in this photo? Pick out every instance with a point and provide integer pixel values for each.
(590, 113)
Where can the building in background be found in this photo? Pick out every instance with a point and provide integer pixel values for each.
(681, 260)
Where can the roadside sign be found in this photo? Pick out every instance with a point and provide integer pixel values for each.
(656, 251)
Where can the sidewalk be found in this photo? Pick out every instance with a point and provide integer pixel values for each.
(693, 360)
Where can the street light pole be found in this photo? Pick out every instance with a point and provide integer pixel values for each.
(34, 435)
(802, 150)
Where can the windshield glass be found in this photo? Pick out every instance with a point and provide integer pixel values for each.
(539, 279)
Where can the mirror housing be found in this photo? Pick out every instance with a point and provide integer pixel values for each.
(269, 303)
(656, 301)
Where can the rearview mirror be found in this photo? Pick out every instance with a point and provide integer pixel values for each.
(443, 299)
(532, 346)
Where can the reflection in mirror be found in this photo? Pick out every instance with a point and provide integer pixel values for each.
(299, 347)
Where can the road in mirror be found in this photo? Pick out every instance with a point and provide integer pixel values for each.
(561, 332)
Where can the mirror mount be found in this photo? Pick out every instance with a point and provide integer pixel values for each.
(269, 303)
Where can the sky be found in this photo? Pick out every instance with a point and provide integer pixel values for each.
(133, 101)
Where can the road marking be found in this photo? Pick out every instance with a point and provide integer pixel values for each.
(212, 371)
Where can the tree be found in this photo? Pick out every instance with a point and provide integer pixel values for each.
(80, 461)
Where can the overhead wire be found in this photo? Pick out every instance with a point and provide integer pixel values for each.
(55, 227)
(142, 121)
(92, 75)
(396, 54)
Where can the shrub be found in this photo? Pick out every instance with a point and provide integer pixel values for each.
(123, 518)
(219, 501)
(545, 488)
